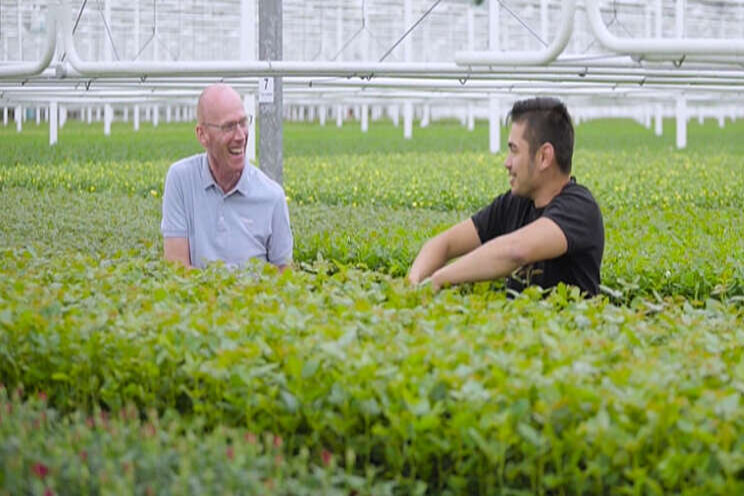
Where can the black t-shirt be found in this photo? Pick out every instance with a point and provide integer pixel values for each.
(578, 216)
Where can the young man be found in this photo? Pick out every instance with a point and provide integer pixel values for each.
(216, 205)
(547, 229)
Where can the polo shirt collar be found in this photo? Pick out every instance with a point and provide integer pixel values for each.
(243, 186)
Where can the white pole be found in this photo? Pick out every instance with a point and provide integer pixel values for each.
(659, 120)
(322, 114)
(98, 114)
(62, 116)
(721, 119)
(20, 32)
(680, 18)
(494, 44)
(425, 115)
(494, 125)
(90, 115)
(681, 122)
(37, 115)
(19, 118)
(365, 118)
(408, 57)
(471, 116)
(249, 105)
(136, 118)
(52, 123)
(155, 115)
(108, 115)
(125, 117)
(168, 114)
(5, 116)
(408, 120)
(544, 20)
(339, 115)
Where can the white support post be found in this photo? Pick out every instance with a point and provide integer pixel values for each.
(89, 113)
(408, 120)
(721, 119)
(322, 111)
(249, 106)
(5, 116)
(136, 117)
(425, 115)
(311, 113)
(658, 120)
(681, 122)
(52, 123)
(125, 116)
(37, 115)
(62, 116)
(19, 118)
(108, 115)
(471, 116)
(494, 125)
(365, 118)
(339, 115)
(98, 114)
(168, 114)
(155, 116)
(395, 114)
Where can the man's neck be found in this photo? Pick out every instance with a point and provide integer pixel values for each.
(550, 190)
(225, 180)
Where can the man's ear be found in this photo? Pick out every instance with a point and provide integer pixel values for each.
(201, 135)
(545, 156)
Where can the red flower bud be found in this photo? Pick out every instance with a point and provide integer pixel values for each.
(40, 470)
(326, 456)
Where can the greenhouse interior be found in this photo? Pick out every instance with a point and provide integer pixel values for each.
(385, 126)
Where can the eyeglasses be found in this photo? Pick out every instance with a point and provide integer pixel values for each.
(231, 127)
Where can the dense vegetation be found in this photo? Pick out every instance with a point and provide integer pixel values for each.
(123, 372)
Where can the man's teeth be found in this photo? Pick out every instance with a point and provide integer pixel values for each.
(236, 151)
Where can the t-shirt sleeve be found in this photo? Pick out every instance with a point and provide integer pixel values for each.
(578, 216)
(280, 241)
(173, 224)
(488, 220)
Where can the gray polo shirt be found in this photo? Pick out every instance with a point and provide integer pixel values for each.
(250, 221)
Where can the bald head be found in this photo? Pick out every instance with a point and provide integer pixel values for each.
(214, 100)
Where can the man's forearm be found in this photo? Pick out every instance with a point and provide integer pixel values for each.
(431, 257)
(482, 264)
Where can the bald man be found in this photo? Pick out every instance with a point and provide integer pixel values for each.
(217, 205)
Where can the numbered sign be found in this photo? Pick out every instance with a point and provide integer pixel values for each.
(266, 90)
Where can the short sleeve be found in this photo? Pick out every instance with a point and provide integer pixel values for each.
(173, 224)
(578, 216)
(280, 241)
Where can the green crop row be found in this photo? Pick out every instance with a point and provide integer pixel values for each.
(465, 391)
(684, 251)
(42, 452)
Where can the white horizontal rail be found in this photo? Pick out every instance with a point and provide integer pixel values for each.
(674, 48)
(541, 57)
(27, 69)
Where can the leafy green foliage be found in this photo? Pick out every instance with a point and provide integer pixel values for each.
(400, 390)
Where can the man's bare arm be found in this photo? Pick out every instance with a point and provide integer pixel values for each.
(177, 250)
(537, 241)
(454, 242)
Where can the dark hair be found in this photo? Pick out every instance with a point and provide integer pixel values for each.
(547, 121)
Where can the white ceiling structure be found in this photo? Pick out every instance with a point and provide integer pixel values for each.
(623, 52)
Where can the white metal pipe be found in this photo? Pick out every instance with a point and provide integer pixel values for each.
(541, 57)
(136, 118)
(674, 47)
(658, 120)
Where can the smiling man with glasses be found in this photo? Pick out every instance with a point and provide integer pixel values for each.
(217, 205)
